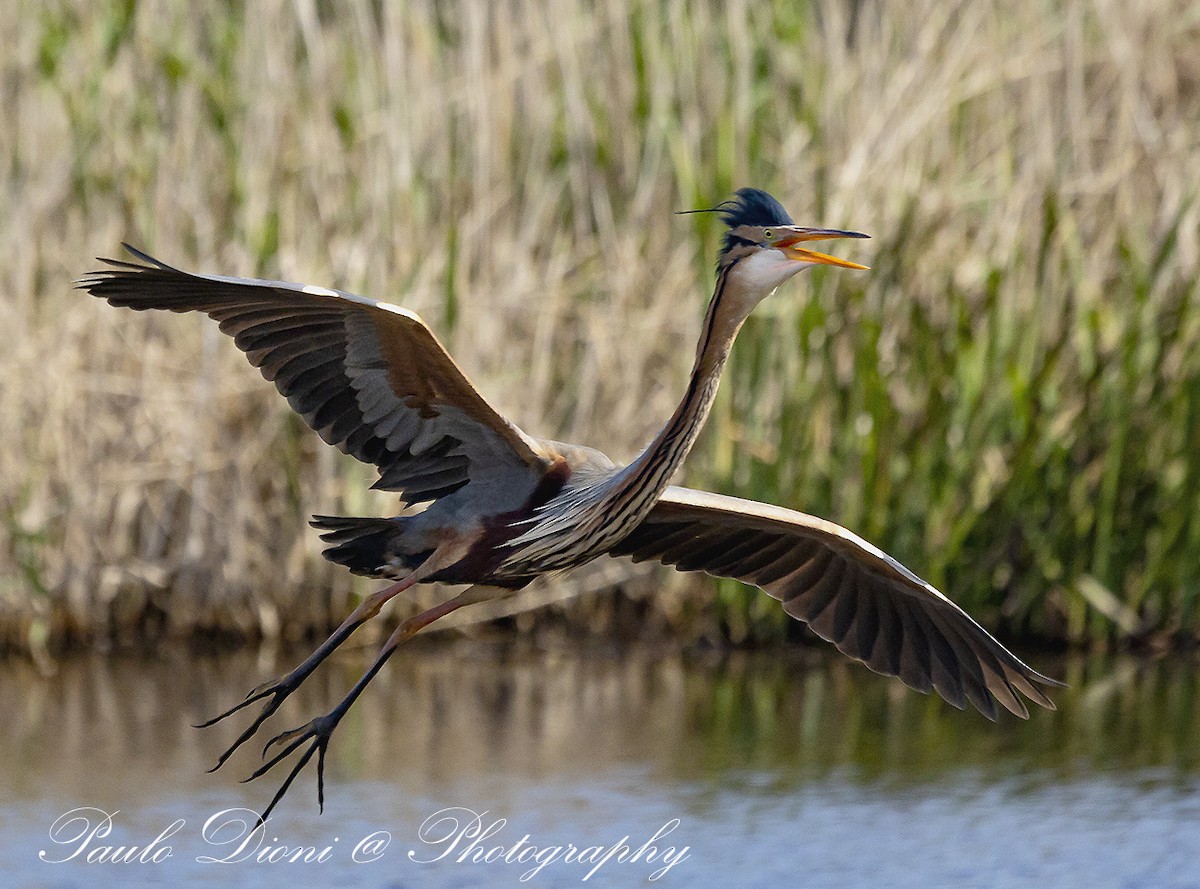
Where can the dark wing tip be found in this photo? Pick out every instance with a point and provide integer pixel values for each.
(91, 280)
(123, 279)
(1046, 680)
(144, 257)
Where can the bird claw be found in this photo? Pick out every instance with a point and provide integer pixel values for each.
(284, 737)
(255, 694)
(318, 732)
(277, 690)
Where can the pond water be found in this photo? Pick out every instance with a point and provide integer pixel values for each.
(777, 769)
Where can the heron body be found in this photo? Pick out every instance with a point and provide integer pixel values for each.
(502, 508)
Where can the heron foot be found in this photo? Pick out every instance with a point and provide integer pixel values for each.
(316, 734)
(277, 691)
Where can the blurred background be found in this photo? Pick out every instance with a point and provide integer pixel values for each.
(1009, 401)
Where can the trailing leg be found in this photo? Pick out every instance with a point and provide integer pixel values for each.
(278, 690)
(318, 732)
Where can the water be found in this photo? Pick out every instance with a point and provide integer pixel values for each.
(771, 770)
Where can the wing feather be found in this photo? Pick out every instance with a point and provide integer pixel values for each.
(849, 592)
(368, 376)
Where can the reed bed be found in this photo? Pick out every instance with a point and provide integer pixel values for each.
(1009, 400)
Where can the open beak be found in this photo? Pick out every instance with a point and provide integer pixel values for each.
(796, 235)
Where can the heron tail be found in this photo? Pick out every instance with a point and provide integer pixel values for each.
(370, 547)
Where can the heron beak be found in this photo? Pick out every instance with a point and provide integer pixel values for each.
(797, 235)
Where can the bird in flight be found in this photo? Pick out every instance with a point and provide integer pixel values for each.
(502, 508)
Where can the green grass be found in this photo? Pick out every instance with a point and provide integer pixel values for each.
(1009, 401)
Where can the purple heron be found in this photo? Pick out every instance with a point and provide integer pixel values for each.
(504, 507)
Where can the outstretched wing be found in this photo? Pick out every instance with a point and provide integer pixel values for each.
(368, 376)
(862, 600)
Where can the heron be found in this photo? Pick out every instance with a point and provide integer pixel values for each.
(501, 508)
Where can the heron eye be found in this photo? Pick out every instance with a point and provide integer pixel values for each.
(768, 234)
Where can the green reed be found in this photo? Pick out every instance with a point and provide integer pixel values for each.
(1009, 401)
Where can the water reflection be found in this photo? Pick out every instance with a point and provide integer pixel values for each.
(742, 746)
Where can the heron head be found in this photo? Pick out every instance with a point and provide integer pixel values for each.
(766, 244)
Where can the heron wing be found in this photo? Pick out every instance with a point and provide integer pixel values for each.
(849, 592)
(368, 376)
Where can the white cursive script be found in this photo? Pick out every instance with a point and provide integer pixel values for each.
(245, 836)
(461, 834)
(79, 829)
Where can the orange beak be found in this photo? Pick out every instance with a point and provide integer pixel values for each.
(795, 234)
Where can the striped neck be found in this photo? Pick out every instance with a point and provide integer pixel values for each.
(649, 473)
(590, 520)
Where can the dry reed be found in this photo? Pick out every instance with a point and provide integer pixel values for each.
(1010, 401)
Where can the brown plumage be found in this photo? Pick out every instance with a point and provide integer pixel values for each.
(503, 507)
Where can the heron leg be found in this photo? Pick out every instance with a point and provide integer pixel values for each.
(278, 690)
(318, 732)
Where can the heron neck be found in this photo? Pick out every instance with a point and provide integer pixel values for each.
(653, 468)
